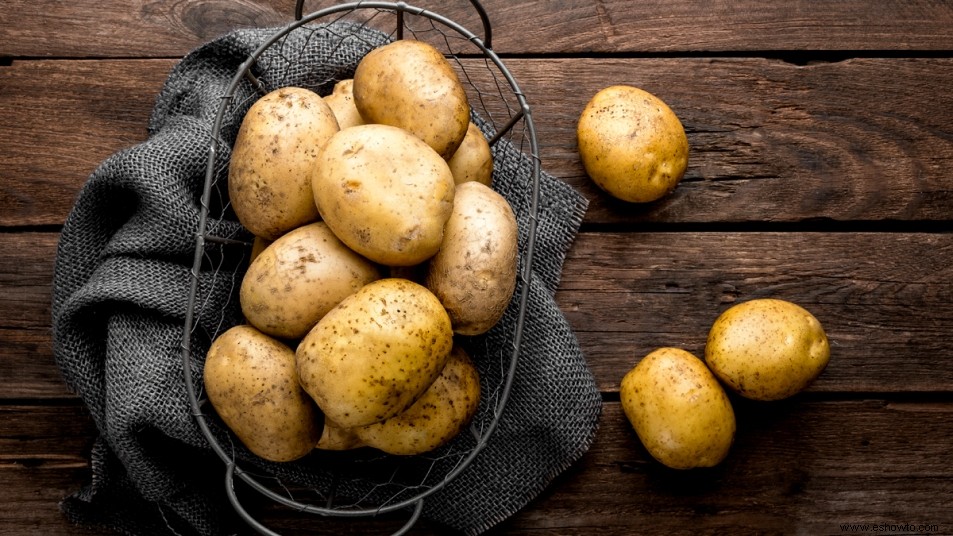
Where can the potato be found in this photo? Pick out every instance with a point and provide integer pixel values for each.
(269, 173)
(411, 85)
(336, 437)
(767, 349)
(375, 353)
(474, 272)
(678, 409)
(444, 409)
(251, 381)
(257, 246)
(297, 279)
(632, 144)
(384, 193)
(473, 160)
(341, 101)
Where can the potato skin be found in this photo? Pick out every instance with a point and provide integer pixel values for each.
(473, 160)
(335, 437)
(632, 144)
(678, 409)
(269, 174)
(298, 278)
(384, 193)
(341, 101)
(767, 349)
(474, 272)
(252, 383)
(411, 85)
(444, 409)
(376, 352)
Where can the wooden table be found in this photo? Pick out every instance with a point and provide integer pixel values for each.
(821, 140)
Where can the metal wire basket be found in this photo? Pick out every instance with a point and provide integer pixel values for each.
(366, 484)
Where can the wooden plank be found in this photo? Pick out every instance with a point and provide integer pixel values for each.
(884, 299)
(59, 121)
(798, 466)
(770, 141)
(127, 29)
(166, 28)
(44, 456)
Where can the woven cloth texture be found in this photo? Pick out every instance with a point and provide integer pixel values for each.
(120, 298)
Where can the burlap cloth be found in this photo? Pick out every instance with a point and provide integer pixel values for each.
(120, 295)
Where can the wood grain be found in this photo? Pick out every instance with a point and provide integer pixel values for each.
(821, 140)
(770, 141)
(883, 298)
(795, 468)
(149, 28)
(798, 466)
(26, 278)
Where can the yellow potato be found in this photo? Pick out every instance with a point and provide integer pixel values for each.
(474, 272)
(678, 409)
(341, 101)
(473, 160)
(444, 409)
(258, 245)
(336, 437)
(297, 279)
(411, 85)
(269, 174)
(252, 383)
(375, 353)
(632, 144)
(384, 193)
(767, 349)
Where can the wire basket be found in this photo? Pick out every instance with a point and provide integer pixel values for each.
(361, 484)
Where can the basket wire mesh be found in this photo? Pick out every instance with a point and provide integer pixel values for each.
(500, 109)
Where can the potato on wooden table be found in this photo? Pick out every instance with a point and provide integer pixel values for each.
(632, 144)
(384, 193)
(411, 85)
(680, 412)
(767, 349)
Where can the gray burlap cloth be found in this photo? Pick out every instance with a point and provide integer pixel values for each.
(120, 295)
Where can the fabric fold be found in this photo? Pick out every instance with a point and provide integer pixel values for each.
(121, 277)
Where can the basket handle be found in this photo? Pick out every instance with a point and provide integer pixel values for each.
(400, 7)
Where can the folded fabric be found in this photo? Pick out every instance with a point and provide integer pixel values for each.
(121, 277)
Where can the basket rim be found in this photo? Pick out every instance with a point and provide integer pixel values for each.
(201, 239)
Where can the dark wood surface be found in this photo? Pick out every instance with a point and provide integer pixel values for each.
(821, 141)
